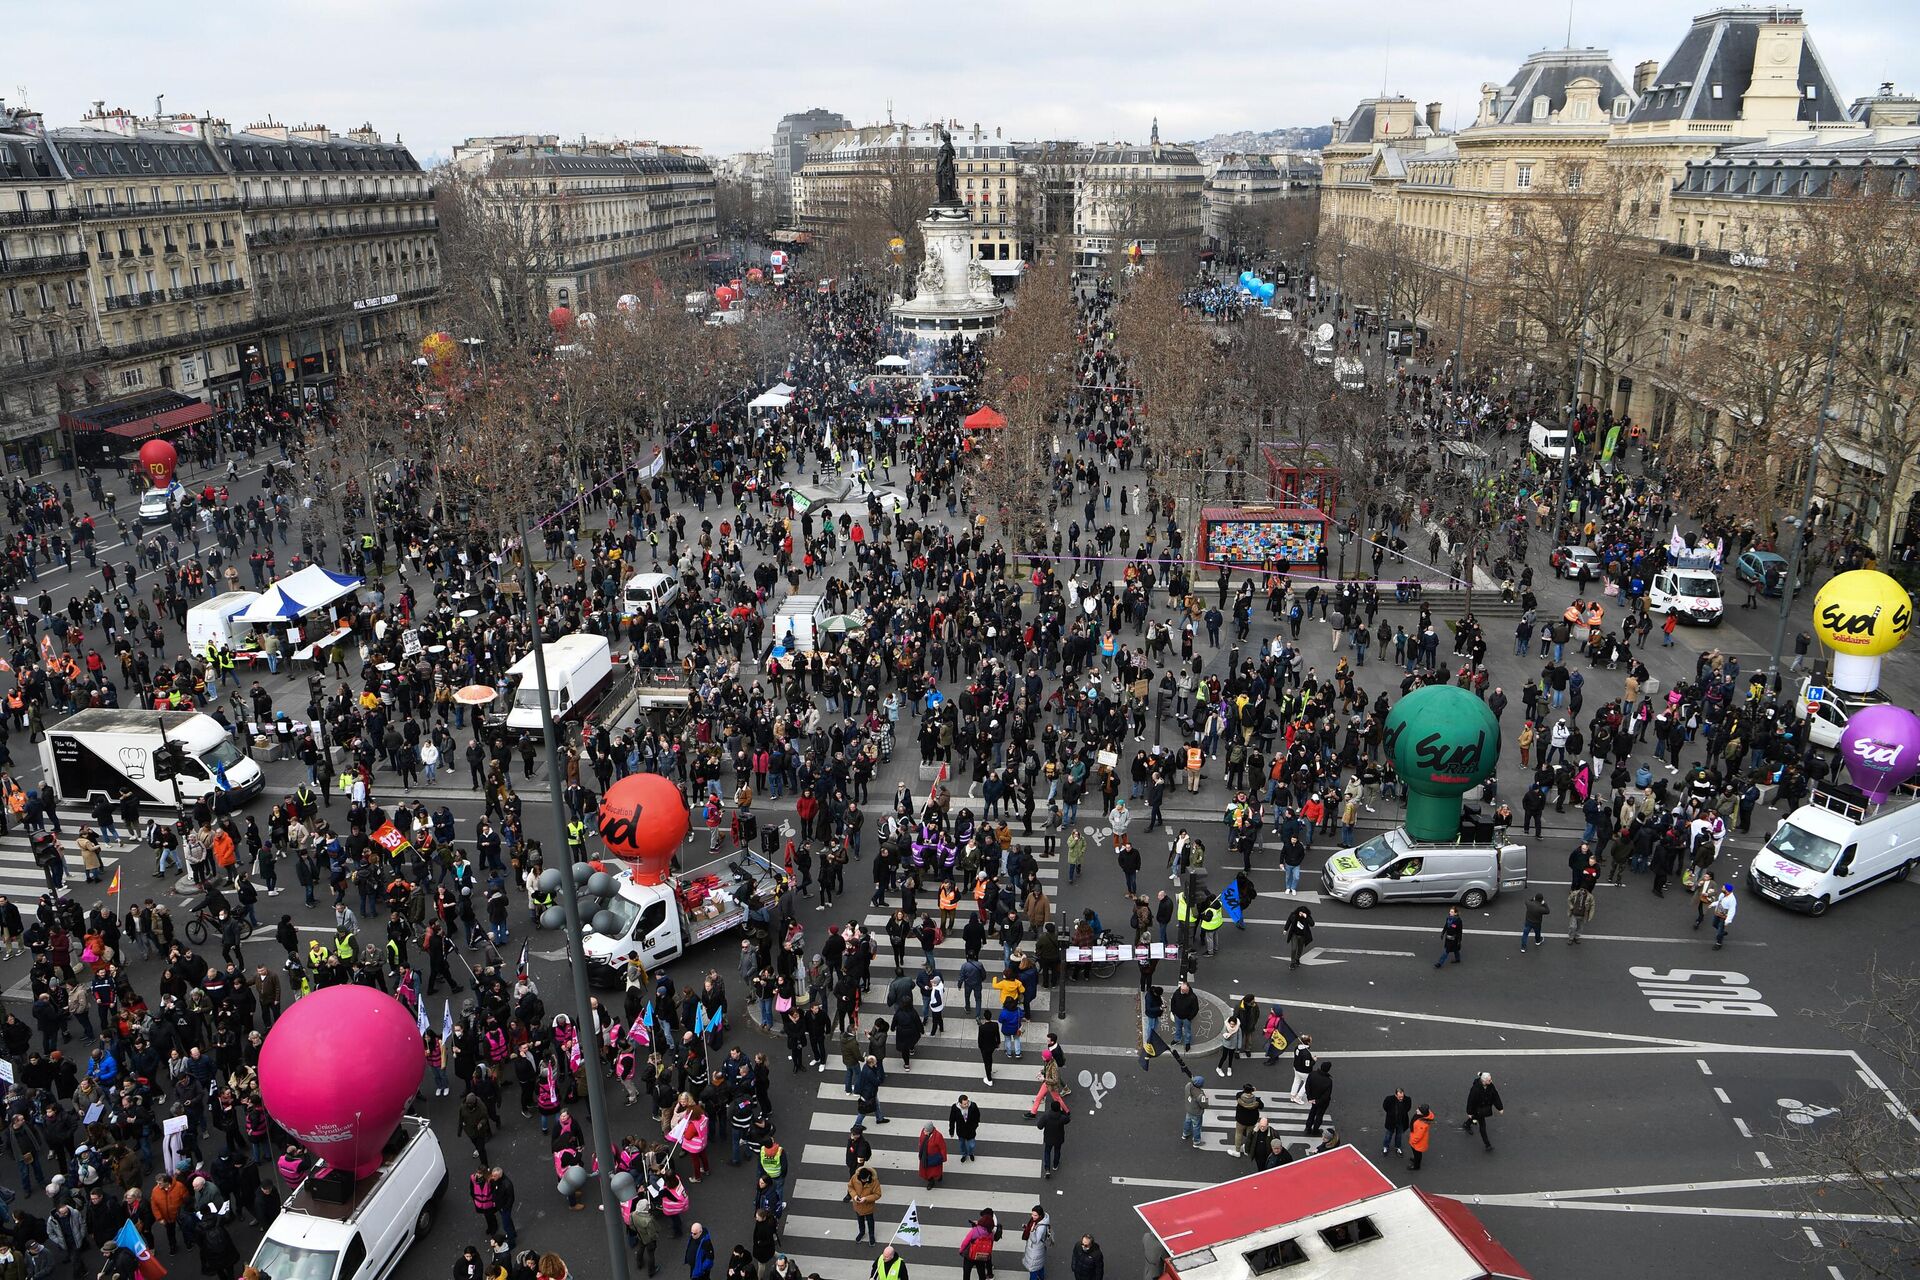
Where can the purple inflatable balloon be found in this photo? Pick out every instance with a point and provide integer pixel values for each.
(1881, 749)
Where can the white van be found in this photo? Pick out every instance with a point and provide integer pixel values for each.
(1836, 845)
(649, 592)
(1690, 586)
(1323, 345)
(1394, 867)
(1549, 442)
(336, 1228)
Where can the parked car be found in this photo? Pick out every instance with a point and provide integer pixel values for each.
(1567, 560)
(1766, 569)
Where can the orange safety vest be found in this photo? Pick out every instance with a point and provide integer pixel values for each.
(1194, 758)
(949, 899)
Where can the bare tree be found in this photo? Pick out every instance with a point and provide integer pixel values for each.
(1861, 243)
(497, 248)
(1854, 1170)
(1030, 370)
(1171, 361)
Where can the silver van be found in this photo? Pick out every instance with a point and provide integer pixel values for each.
(1394, 867)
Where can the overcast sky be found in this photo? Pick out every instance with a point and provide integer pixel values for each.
(720, 75)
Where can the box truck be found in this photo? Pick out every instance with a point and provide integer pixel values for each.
(103, 751)
(211, 622)
(658, 922)
(579, 670)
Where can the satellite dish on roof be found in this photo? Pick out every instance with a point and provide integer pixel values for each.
(1323, 334)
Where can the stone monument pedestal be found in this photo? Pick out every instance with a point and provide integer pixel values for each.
(955, 293)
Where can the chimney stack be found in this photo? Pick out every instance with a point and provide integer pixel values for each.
(1643, 75)
(1433, 117)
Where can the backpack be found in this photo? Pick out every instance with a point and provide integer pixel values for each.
(980, 1248)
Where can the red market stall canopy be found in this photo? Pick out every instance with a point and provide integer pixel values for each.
(138, 417)
(985, 418)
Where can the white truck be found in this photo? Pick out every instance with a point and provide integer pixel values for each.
(1690, 587)
(1323, 345)
(333, 1227)
(1835, 846)
(1350, 373)
(579, 671)
(211, 622)
(803, 617)
(658, 922)
(102, 751)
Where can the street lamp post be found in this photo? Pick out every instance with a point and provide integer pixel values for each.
(589, 1037)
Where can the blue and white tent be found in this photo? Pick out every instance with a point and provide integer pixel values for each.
(299, 594)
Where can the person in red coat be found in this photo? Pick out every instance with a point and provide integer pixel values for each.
(933, 1155)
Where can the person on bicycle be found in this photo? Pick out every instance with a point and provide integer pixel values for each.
(213, 904)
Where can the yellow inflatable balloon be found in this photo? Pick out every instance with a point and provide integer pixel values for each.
(437, 347)
(1863, 613)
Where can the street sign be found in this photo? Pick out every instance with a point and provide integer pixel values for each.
(1816, 693)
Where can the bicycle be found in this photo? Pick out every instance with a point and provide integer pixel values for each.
(196, 928)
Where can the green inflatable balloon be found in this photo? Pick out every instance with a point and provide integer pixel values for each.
(1444, 742)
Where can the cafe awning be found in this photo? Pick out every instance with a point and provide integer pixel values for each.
(132, 419)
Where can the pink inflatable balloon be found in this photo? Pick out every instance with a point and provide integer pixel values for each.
(337, 1071)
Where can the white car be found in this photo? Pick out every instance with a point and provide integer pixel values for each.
(158, 505)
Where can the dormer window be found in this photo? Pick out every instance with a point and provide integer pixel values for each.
(1542, 107)
(1813, 92)
(1622, 105)
(1716, 93)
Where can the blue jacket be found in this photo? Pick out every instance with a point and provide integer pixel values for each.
(699, 1257)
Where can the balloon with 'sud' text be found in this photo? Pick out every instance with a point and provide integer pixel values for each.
(643, 819)
(1444, 741)
(1862, 616)
(157, 461)
(1881, 748)
(337, 1071)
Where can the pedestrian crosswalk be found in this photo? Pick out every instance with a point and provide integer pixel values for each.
(1004, 1175)
(23, 881)
(1288, 1119)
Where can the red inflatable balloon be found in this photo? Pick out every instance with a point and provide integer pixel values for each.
(157, 461)
(643, 819)
(560, 318)
(337, 1071)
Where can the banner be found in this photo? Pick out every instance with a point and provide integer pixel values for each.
(130, 1239)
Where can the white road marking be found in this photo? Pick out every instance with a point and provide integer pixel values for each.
(1741, 1125)
(1495, 933)
(1170, 1184)
(1695, 1045)
(1813, 1237)
(1705, 1070)
(1762, 1157)
(1722, 1095)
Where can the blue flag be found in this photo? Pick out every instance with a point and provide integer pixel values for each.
(1230, 902)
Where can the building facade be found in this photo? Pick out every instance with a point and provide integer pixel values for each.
(1245, 190)
(1710, 154)
(587, 211)
(342, 246)
(789, 152)
(130, 252)
(51, 344)
(1152, 197)
(849, 176)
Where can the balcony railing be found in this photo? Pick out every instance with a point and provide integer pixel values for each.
(164, 209)
(42, 264)
(36, 217)
(293, 201)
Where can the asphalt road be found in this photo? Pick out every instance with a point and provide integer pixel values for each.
(1624, 1094)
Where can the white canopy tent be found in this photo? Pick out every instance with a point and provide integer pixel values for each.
(778, 396)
